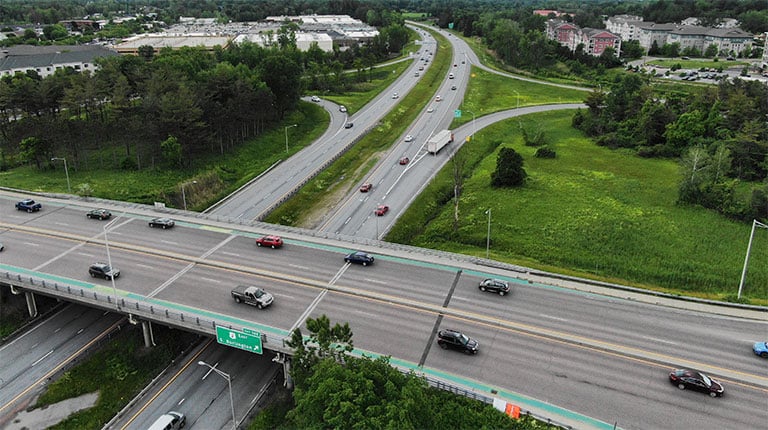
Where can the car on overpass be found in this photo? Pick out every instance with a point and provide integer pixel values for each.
(453, 339)
(100, 214)
(28, 205)
(695, 380)
(359, 257)
(103, 270)
(759, 348)
(270, 241)
(495, 286)
(162, 223)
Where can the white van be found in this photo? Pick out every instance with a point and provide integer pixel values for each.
(170, 421)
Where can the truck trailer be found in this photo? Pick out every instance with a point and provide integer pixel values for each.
(439, 140)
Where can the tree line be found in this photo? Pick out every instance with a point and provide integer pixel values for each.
(122, 115)
(718, 132)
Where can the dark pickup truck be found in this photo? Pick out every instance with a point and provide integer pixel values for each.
(28, 205)
(253, 296)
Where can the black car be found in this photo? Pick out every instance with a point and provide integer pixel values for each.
(457, 340)
(102, 270)
(162, 223)
(359, 257)
(101, 214)
(694, 380)
(348, 125)
(28, 205)
(494, 286)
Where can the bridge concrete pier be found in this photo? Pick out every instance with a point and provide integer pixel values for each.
(31, 303)
(149, 337)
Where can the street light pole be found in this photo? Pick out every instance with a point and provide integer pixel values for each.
(109, 261)
(286, 135)
(488, 237)
(229, 382)
(755, 223)
(66, 172)
(184, 194)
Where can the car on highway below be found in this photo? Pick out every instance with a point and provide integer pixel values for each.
(101, 214)
(270, 241)
(162, 223)
(408, 138)
(759, 348)
(695, 380)
(359, 257)
(381, 210)
(453, 87)
(2, 247)
(421, 67)
(416, 74)
(395, 95)
(405, 160)
(316, 99)
(438, 98)
(452, 339)
(348, 125)
(103, 270)
(28, 205)
(366, 187)
(342, 108)
(494, 286)
(430, 109)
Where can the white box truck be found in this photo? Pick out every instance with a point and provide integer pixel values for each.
(439, 140)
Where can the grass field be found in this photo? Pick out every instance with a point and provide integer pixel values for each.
(590, 212)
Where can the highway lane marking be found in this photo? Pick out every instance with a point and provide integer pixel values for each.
(296, 266)
(168, 242)
(552, 317)
(145, 266)
(63, 363)
(231, 254)
(376, 281)
(218, 281)
(41, 358)
(655, 339)
(192, 359)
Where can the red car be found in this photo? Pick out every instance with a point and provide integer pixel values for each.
(381, 210)
(366, 187)
(270, 241)
(404, 161)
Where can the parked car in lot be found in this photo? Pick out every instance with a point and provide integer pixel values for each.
(381, 210)
(366, 187)
(760, 348)
(359, 257)
(494, 286)
(452, 339)
(103, 270)
(162, 223)
(101, 214)
(28, 205)
(694, 380)
(271, 241)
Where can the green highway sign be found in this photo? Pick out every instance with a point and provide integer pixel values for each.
(248, 340)
(457, 113)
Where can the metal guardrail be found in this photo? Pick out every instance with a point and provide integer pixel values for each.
(148, 309)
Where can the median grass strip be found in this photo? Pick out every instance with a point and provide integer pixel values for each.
(591, 212)
(315, 199)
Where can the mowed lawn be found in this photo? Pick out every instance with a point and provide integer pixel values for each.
(593, 212)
